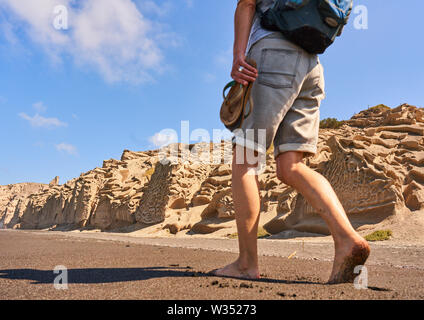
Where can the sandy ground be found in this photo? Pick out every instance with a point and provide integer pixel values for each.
(115, 266)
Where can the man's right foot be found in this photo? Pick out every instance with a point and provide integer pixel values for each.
(347, 258)
(234, 271)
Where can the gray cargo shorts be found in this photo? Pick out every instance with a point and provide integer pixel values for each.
(286, 98)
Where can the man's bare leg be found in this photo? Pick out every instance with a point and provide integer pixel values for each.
(245, 188)
(350, 248)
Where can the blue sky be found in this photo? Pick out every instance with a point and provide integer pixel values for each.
(125, 70)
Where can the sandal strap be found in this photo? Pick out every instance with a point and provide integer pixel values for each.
(228, 86)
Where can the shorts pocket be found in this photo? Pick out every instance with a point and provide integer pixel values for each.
(278, 67)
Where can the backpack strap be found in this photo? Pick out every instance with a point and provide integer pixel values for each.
(259, 10)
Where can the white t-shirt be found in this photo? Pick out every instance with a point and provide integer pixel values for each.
(257, 32)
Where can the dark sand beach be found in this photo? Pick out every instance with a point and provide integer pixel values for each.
(121, 267)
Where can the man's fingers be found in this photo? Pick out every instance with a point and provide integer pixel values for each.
(247, 78)
(249, 73)
(241, 75)
(239, 80)
(242, 78)
(248, 67)
(243, 72)
(243, 82)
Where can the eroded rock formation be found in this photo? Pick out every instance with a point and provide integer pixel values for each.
(14, 200)
(375, 163)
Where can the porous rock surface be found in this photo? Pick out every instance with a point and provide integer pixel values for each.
(14, 200)
(375, 163)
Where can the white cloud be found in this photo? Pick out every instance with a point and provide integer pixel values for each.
(8, 32)
(160, 10)
(67, 148)
(36, 17)
(164, 138)
(38, 121)
(111, 36)
(39, 107)
(224, 59)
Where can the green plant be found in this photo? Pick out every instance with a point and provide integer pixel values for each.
(379, 235)
(262, 233)
(331, 123)
(233, 235)
(380, 107)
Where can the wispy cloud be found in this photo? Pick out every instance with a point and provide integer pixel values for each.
(150, 6)
(39, 107)
(164, 138)
(38, 121)
(67, 148)
(111, 36)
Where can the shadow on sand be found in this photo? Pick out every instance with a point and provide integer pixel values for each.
(111, 275)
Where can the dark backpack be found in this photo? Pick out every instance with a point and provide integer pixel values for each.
(311, 24)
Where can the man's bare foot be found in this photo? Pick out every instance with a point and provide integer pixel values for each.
(346, 259)
(234, 270)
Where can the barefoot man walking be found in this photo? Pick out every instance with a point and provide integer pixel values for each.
(288, 86)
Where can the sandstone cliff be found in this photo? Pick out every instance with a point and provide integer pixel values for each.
(374, 161)
(14, 200)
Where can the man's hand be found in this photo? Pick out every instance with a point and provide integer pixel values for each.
(243, 72)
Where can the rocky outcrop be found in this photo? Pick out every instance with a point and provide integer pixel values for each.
(171, 187)
(105, 197)
(375, 163)
(14, 200)
(54, 182)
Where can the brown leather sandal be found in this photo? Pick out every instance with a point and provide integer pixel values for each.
(233, 110)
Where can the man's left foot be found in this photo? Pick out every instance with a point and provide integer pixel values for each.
(234, 271)
(345, 262)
